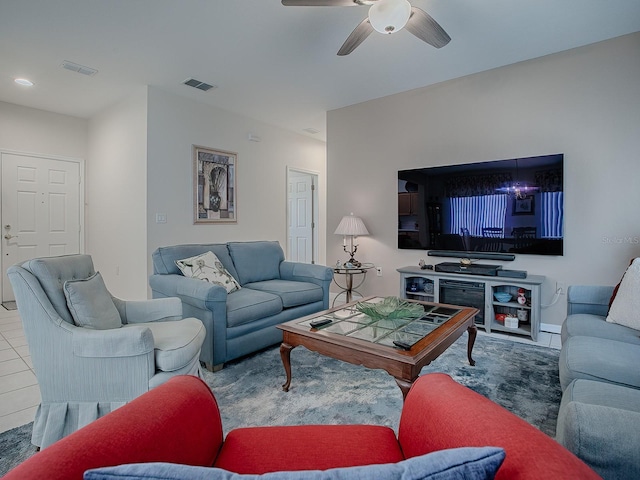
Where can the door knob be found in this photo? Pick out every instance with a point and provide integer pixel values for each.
(8, 236)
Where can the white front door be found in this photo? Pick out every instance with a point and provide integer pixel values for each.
(41, 210)
(301, 225)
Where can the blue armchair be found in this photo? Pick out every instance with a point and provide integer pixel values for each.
(86, 371)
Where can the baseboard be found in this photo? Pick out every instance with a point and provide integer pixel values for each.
(550, 328)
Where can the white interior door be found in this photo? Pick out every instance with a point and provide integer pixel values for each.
(300, 214)
(41, 210)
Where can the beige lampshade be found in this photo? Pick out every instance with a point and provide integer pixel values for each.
(350, 225)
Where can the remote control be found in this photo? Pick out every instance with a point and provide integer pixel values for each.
(401, 344)
(321, 322)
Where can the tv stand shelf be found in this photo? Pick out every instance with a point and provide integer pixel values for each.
(478, 291)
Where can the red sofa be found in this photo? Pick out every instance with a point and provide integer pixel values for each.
(179, 422)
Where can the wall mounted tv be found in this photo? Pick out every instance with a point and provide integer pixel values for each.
(485, 209)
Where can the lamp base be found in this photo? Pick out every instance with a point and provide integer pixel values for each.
(353, 263)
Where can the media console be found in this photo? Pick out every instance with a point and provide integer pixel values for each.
(479, 291)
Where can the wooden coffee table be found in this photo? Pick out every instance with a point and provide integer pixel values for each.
(355, 338)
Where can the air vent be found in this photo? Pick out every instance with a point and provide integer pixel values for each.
(192, 82)
(310, 130)
(75, 67)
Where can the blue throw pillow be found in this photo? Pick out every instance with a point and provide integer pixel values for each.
(90, 303)
(454, 464)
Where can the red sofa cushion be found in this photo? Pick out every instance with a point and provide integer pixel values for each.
(176, 422)
(309, 447)
(463, 418)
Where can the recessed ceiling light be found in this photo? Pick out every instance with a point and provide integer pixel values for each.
(24, 82)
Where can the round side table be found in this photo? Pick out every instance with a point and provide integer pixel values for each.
(349, 288)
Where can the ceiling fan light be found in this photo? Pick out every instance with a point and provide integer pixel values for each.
(389, 16)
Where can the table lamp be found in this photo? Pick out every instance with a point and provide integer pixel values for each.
(351, 227)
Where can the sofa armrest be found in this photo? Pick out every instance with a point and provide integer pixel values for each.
(439, 413)
(305, 272)
(606, 438)
(142, 311)
(118, 342)
(177, 422)
(593, 299)
(193, 291)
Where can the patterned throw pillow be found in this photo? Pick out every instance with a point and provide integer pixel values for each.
(208, 267)
(625, 308)
(617, 287)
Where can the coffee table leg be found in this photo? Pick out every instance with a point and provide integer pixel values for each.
(404, 387)
(285, 354)
(473, 331)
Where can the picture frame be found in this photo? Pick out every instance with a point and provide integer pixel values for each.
(214, 185)
(524, 206)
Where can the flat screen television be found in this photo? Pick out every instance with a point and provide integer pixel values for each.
(486, 209)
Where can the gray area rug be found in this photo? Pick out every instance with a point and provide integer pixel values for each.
(520, 377)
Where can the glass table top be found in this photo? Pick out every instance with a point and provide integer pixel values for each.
(399, 333)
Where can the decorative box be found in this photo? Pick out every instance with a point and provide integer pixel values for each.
(511, 322)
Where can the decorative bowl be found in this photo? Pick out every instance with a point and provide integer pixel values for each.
(503, 297)
(391, 308)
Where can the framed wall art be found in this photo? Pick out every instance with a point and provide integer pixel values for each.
(523, 206)
(214, 185)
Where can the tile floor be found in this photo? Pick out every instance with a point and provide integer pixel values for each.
(19, 392)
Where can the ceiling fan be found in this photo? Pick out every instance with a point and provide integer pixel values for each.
(385, 16)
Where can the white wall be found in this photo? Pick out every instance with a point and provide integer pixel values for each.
(175, 124)
(139, 162)
(116, 194)
(584, 103)
(28, 130)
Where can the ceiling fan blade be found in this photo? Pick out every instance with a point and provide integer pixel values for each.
(359, 34)
(319, 3)
(423, 26)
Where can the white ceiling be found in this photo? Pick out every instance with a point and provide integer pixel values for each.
(273, 63)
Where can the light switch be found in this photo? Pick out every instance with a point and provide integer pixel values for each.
(161, 218)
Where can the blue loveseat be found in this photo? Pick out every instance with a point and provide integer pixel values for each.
(244, 321)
